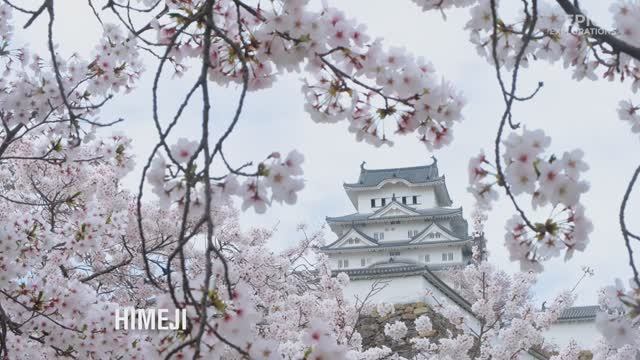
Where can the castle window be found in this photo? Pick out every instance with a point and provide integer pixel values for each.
(373, 203)
(437, 235)
(415, 199)
(413, 233)
(404, 200)
(383, 202)
(447, 256)
(427, 258)
(343, 263)
(363, 262)
(378, 236)
(394, 253)
(350, 241)
(357, 241)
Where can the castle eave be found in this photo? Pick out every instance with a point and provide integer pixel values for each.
(435, 213)
(397, 245)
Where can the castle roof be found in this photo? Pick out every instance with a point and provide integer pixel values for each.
(414, 175)
(426, 175)
(457, 236)
(393, 245)
(579, 313)
(432, 213)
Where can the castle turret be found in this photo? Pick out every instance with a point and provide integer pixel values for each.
(403, 217)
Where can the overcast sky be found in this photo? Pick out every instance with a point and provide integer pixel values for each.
(575, 115)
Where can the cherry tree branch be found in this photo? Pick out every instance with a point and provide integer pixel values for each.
(597, 32)
(626, 234)
(509, 96)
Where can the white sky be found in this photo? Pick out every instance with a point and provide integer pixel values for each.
(575, 115)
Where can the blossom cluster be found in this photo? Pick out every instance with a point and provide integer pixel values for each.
(6, 27)
(69, 319)
(629, 113)
(396, 330)
(441, 5)
(351, 77)
(74, 246)
(556, 37)
(423, 325)
(550, 182)
(499, 301)
(277, 179)
(620, 321)
(384, 309)
(50, 107)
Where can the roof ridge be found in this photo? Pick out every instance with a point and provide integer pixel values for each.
(401, 168)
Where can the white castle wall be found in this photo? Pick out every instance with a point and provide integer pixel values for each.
(584, 333)
(414, 255)
(396, 232)
(427, 197)
(401, 290)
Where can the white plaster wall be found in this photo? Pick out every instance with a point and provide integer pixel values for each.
(402, 290)
(426, 199)
(397, 232)
(394, 232)
(417, 255)
(584, 333)
(399, 290)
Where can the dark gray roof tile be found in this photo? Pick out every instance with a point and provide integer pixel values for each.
(579, 313)
(414, 175)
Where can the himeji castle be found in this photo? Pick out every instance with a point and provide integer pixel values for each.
(406, 236)
(404, 228)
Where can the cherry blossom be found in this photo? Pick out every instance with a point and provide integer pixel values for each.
(551, 182)
(618, 331)
(396, 330)
(76, 245)
(423, 325)
(183, 150)
(385, 309)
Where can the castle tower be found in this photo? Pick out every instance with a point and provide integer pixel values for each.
(404, 232)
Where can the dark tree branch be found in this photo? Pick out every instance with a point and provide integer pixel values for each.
(626, 234)
(597, 32)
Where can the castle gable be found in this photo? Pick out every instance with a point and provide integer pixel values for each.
(433, 233)
(394, 209)
(352, 239)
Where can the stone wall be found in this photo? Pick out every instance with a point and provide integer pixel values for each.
(371, 327)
